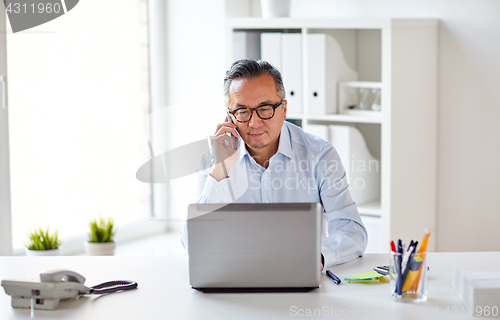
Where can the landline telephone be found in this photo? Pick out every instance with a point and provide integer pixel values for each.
(54, 286)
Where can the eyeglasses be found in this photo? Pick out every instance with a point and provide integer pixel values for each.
(264, 112)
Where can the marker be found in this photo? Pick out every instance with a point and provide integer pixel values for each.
(333, 277)
(413, 273)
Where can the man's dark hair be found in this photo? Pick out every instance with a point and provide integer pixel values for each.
(248, 69)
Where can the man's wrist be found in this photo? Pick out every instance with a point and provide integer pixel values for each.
(217, 172)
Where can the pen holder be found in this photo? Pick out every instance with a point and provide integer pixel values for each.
(408, 277)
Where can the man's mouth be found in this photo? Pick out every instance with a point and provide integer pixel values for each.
(256, 134)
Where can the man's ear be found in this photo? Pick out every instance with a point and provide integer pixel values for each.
(284, 107)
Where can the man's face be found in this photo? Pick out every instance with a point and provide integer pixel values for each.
(252, 93)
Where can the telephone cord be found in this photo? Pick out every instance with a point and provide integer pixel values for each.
(113, 286)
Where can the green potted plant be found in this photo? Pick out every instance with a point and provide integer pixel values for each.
(101, 242)
(43, 243)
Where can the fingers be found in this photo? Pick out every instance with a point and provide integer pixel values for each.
(224, 140)
(225, 124)
(221, 140)
(223, 147)
(227, 127)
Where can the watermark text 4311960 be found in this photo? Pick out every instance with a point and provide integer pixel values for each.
(26, 14)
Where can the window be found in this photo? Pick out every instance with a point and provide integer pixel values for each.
(78, 96)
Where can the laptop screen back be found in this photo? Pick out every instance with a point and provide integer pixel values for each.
(254, 245)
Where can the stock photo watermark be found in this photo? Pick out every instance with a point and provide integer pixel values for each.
(26, 14)
(308, 184)
(366, 312)
(302, 175)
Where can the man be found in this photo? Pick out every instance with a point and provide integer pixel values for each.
(277, 161)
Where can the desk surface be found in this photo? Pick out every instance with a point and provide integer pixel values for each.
(164, 291)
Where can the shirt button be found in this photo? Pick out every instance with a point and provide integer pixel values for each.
(225, 188)
(267, 201)
(216, 189)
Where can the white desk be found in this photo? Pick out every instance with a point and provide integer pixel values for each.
(164, 291)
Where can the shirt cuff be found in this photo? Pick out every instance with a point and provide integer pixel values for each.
(217, 191)
(330, 258)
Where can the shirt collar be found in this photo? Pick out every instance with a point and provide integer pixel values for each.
(242, 149)
(284, 146)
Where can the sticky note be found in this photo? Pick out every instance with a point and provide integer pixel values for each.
(351, 279)
(366, 275)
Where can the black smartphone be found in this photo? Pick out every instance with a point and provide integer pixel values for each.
(230, 119)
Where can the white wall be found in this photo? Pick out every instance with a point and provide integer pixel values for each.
(469, 109)
(5, 195)
(195, 64)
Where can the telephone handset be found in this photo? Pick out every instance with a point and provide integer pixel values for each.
(61, 276)
(230, 119)
(54, 286)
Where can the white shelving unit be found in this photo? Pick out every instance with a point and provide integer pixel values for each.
(337, 118)
(401, 54)
(371, 208)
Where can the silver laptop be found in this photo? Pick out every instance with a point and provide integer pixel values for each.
(254, 247)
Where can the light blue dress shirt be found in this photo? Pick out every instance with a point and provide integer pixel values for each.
(305, 168)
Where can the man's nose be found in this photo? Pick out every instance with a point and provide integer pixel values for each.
(256, 121)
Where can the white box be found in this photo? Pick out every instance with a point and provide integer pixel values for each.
(345, 99)
(480, 290)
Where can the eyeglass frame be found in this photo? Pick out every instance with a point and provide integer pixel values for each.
(274, 106)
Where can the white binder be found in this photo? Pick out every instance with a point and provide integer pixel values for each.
(326, 66)
(291, 70)
(270, 48)
(362, 169)
(319, 130)
(246, 45)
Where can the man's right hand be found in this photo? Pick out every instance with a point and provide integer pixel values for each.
(223, 149)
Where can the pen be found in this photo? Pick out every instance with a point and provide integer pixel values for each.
(399, 278)
(405, 266)
(410, 245)
(333, 277)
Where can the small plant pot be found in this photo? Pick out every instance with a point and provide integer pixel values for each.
(39, 253)
(100, 249)
(275, 8)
